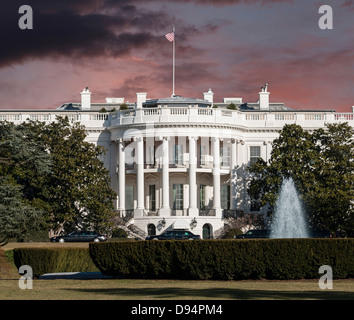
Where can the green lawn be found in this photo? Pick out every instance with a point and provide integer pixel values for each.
(171, 289)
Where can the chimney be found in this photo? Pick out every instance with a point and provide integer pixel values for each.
(208, 96)
(264, 98)
(86, 99)
(140, 99)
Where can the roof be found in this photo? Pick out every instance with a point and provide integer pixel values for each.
(94, 106)
(176, 101)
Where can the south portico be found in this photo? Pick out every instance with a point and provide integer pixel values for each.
(172, 172)
(171, 169)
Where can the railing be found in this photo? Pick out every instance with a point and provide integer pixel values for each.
(256, 116)
(285, 117)
(315, 116)
(205, 112)
(10, 117)
(178, 111)
(228, 213)
(185, 115)
(151, 214)
(99, 116)
(151, 112)
(344, 116)
(206, 213)
(126, 215)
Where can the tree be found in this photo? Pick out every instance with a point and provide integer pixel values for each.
(17, 215)
(24, 165)
(331, 198)
(322, 166)
(123, 106)
(231, 106)
(21, 156)
(77, 192)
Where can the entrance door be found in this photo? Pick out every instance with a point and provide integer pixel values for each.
(206, 231)
(151, 229)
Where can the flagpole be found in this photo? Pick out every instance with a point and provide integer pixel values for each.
(173, 63)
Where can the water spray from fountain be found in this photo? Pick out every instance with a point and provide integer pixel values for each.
(289, 216)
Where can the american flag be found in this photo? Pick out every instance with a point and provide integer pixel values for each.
(170, 36)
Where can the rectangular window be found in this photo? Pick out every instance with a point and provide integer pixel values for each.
(178, 156)
(225, 197)
(203, 154)
(225, 156)
(202, 197)
(129, 197)
(150, 155)
(129, 152)
(152, 197)
(255, 154)
(177, 197)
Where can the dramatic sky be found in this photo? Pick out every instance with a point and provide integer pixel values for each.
(118, 48)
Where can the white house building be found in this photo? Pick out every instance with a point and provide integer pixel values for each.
(180, 163)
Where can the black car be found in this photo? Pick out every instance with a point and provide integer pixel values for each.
(175, 235)
(320, 234)
(254, 234)
(80, 236)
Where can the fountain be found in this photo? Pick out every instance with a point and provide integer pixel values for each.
(289, 216)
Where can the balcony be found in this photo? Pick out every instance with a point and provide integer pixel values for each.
(191, 115)
(252, 119)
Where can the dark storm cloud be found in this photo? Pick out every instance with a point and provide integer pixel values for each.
(79, 28)
(69, 29)
(90, 28)
(204, 2)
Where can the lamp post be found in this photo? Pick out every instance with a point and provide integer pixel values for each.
(193, 223)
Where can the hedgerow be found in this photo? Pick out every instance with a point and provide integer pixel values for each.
(51, 260)
(225, 259)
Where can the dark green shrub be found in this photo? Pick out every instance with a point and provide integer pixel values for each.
(232, 233)
(49, 260)
(119, 233)
(123, 106)
(225, 259)
(134, 259)
(231, 106)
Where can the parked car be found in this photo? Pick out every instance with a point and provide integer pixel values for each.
(254, 234)
(80, 236)
(320, 234)
(175, 235)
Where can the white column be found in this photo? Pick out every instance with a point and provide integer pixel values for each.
(121, 175)
(140, 177)
(165, 210)
(193, 209)
(233, 175)
(216, 177)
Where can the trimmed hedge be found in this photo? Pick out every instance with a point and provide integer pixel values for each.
(49, 260)
(282, 259)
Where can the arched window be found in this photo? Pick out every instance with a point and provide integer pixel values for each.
(207, 231)
(151, 229)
